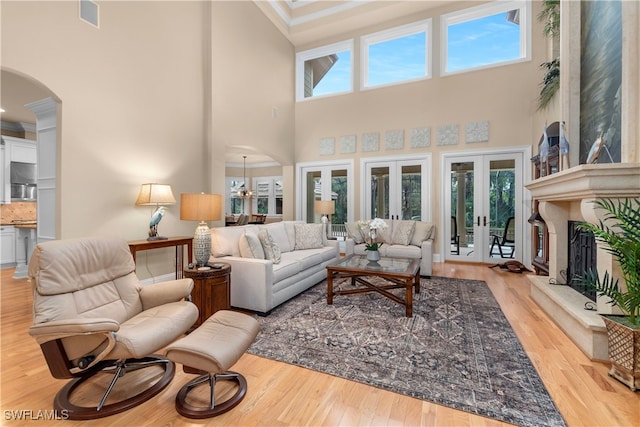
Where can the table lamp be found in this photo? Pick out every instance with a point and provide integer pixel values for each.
(326, 208)
(201, 207)
(155, 194)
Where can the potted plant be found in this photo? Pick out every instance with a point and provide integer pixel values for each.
(619, 232)
(370, 231)
(550, 17)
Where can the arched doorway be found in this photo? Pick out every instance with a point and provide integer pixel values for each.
(34, 107)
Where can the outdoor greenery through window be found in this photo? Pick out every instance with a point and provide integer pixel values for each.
(501, 197)
(327, 70)
(399, 54)
(495, 33)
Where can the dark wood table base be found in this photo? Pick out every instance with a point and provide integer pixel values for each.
(406, 282)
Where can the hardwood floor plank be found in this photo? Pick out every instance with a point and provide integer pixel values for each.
(281, 395)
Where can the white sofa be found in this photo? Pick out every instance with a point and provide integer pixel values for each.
(401, 239)
(260, 284)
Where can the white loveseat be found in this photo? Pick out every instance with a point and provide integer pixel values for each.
(401, 239)
(259, 283)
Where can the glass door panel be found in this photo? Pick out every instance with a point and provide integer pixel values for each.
(463, 210)
(339, 186)
(379, 190)
(411, 194)
(313, 192)
(502, 198)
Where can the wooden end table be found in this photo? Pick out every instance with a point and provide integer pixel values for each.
(180, 242)
(399, 272)
(211, 291)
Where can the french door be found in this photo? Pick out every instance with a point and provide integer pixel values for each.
(325, 181)
(483, 207)
(396, 188)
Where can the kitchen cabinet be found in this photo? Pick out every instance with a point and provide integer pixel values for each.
(7, 245)
(25, 239)
(20, 150)
(14, 150)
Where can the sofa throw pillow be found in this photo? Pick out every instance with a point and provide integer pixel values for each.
(271, 248)
(250, 247)
(353, 232)
(402, 232)
(421, 233)
(386, 235)
(279, 233)
(308, 236)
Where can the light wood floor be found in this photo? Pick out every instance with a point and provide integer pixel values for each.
(285, 395)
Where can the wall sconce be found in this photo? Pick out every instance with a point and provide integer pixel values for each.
(155, 194)
(201, 207)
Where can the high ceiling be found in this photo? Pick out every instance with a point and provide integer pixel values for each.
(304, 21)
(301, 21)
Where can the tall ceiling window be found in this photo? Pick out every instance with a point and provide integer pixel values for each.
(323, 71)
(397, 55)
(495, 33)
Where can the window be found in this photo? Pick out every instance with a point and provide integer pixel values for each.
(268, 195)
(492, 34)
(324, 71)
(396, 55)
(234, 203)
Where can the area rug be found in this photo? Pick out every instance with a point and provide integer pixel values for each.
(457, 350)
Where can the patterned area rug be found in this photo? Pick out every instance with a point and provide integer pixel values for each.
(457, 350)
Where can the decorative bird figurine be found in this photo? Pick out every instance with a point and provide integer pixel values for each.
(153, 224)
(594, 152)
(564, 149)
(544, 151)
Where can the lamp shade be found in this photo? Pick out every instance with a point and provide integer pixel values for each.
(324, 207)
(155, 194)
(200, 207)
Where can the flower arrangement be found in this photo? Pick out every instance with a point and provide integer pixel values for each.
(371, 234)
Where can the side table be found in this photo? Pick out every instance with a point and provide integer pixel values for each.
(211, 290)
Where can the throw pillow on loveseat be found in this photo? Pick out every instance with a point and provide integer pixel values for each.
(401, 239)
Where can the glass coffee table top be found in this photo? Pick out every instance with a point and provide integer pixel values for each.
(360, 262)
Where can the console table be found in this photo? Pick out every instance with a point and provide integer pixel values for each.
(177, 242)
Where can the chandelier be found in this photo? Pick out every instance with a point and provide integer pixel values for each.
(243, 193)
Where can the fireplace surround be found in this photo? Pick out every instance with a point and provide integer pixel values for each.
(567, 196)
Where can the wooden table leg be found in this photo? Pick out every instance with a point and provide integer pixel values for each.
(409, 297)
(329, 288)
(417, 282)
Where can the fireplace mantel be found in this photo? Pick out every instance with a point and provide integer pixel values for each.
(608, 180)
(567, 196)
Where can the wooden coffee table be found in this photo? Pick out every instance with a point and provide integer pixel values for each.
(398, 272)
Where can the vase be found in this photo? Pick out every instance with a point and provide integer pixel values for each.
(373, 256)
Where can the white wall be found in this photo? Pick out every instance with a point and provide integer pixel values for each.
(139, 103)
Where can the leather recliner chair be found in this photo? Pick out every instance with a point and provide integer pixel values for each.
(92, 315)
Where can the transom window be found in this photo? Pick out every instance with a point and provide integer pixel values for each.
(327, 70)
(492, 34)
(396, 55)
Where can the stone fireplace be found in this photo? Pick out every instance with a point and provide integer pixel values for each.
(567, 196)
